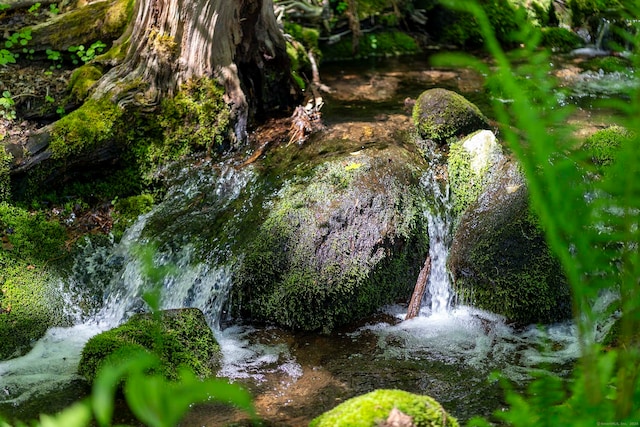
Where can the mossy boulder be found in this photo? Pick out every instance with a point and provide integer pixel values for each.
(470, 163)
(30, 303)
(499, 258)
(380, 407)
(440, 115)
(337, 243)
(179, 337)
(603, 145)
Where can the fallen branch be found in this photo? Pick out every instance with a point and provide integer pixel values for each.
(419, 290)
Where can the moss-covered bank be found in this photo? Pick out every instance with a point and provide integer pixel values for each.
(178, 337)
(29, 301)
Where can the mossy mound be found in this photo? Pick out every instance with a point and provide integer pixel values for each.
(381, 44)
(337, 243)
(604, 144)
(457, 28)
(374, 409)
(178, 337)
(29, 301)
(560, 39)
(500, 260)
(469, 164)
(441, 114)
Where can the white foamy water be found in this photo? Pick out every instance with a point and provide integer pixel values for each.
(478, 339)
(244, 359)
(52, 361)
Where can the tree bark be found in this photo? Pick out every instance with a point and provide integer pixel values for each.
(236, 41)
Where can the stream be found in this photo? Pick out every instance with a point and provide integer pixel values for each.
(447, 352)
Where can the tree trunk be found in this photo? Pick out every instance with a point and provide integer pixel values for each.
(236, 41)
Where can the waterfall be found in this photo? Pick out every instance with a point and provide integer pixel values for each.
(438, 220)
(201, 277)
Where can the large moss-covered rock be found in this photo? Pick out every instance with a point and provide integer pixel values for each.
(441, 114)
(178, 337)
(383, 407)
(337, 243)
(499, 257)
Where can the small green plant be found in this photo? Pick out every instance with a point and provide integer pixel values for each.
(341, 7)
(6, 57)
(56, 57)
(4, 7)
(53, 9)
(79, 53)
(19, 38)
(7, 106)
(35, 9)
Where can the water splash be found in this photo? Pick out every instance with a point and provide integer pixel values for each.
(197, 281)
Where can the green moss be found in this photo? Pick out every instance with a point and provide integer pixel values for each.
(29, 304)
(177, 337)
(460, 29)
(608, 64)
(391, 43)
(373, 409)
(320, 257)
(85, 129)
(604, 144)
(501, 262)
(441, 114)
(6, 160)
(81, 81)
(560, 39)
(196, 117)
(126, 212)
(466, 183)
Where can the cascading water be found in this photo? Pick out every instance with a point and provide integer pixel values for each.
(201, 278)
(438, 220)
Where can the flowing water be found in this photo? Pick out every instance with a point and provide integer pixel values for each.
(448, 351)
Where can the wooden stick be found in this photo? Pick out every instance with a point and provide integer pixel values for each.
(419, 290)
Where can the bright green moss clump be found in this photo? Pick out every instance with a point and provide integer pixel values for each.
(85, 129)
(604, 144)
(81, 81)
(179, 338)
(196, 117)
(373, 409)
(29, 304)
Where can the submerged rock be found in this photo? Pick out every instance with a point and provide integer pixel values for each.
(441, 114)
(499, 258)
(179, 337)
(337, 243)
(387, 408)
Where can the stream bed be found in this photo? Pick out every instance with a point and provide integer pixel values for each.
(294, 377)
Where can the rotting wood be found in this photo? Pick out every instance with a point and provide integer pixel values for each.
(419, 290)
